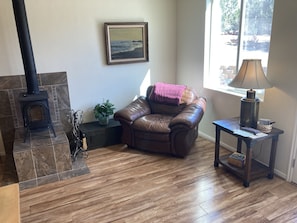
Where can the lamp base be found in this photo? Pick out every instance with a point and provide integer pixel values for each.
(249, 112)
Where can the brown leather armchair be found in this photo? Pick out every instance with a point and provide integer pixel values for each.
(158, 127)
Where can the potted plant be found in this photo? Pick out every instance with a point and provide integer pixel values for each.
(103, 111)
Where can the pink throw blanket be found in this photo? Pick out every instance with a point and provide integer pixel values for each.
(168, 93)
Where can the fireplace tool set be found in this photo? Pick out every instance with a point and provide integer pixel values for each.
(78, 140)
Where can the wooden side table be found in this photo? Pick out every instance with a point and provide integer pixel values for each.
(100, 135)
(252, 168)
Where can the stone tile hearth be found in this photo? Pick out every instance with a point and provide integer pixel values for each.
(44, 158)
(55, 84)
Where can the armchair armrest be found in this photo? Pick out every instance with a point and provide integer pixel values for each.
(133, 111)
(190, 116)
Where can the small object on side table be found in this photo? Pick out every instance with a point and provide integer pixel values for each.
(237, 159)
(265, 125)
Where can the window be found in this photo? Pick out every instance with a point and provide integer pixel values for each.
(235, 30)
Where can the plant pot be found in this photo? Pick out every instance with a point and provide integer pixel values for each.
(103, 120)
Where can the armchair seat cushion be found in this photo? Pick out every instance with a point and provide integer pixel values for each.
(156, 123)
(152, 137)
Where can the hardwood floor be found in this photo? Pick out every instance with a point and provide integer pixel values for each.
(126, 185)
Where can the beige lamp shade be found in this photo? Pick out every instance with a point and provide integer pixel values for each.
(251, 76)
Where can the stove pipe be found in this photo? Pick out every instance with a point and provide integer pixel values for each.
(25, 45)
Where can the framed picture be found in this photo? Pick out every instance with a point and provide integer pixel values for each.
(126, 42)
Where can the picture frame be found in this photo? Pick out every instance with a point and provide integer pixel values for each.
(126, 42)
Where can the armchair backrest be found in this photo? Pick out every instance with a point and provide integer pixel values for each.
(163, 108)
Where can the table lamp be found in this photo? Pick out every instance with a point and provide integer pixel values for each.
(250, 76)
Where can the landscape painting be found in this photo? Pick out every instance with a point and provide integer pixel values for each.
(126, 42)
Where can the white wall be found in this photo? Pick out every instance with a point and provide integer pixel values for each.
(280, 101)
(68, 35)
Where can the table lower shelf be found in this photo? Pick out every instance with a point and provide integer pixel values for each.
(257, 169)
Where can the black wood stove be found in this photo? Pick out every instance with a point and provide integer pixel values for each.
(34, 103)
(36, 112)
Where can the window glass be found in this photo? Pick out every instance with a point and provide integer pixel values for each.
(235, 30)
